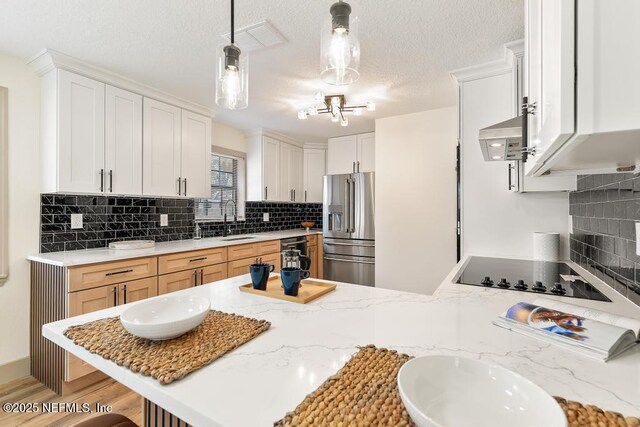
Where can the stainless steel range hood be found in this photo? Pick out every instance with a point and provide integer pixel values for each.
(502, 141)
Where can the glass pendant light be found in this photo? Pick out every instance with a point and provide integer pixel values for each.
(340, 48)
(232, 77)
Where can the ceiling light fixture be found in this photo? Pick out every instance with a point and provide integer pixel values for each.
(336, 106)
(340, 48)
(232, 77)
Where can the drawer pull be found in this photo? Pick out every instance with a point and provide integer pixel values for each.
(198, 259)
(114, 273)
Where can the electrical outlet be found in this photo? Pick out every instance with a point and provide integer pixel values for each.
(164, 220)
(265, 217)
(76, 221)
(638, 238)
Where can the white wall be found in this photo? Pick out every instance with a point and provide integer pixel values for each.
(415, 200)
(24, 204)
(496, 221)
(228, 137)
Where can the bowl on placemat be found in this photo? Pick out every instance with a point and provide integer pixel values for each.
(164, 318)
(440, 391)
(307, 224)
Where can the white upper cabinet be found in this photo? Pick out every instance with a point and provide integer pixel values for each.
(123, 142)
(290, 173)
(584, 83)
(101, 135)
(349, 154)
(80, 134)
(315, 168)
(196, 155)
(366, 160)
(342, 153)
(274, 168)
(162, 149)
(270, 169)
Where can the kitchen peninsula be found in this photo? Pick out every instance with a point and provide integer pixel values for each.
(306, 344)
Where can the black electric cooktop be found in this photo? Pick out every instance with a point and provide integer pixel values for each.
(540, 277)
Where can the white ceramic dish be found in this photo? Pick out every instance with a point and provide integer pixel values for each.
(446, 391)
(132, 244)
(165, 317)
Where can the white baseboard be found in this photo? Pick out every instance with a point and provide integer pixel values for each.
(14, 370)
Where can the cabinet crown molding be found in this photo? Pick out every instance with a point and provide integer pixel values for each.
(316, 145)
(49, 59)
(273, 134)
(510, 51)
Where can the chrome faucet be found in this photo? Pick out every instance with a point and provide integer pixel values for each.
(225, 231)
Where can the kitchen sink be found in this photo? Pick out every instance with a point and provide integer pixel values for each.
(231, 239)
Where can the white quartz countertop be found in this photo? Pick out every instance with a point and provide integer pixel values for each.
(259, 382)
(93, 256)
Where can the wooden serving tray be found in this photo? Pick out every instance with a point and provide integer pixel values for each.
(310, 290)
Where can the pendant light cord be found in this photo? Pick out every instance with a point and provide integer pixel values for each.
(232, 24)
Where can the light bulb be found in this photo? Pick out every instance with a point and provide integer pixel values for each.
(335, 118)
(335, 101)
(319, 97)
(312, 111)
(371, 106)
(357, 111)
(339, 55)
(496, 144)
(344, 122)
(302, 114)
(231, 87)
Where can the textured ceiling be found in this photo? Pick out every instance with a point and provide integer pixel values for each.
(407, 49)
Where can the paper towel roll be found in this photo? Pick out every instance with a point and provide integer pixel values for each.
(546, 246)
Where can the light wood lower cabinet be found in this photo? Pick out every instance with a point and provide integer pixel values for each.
(189, 260)
(178, 281)
(313, 256)
(213, 273)
(239, 252)
(90, 300)
(241, 266)
(95, 275)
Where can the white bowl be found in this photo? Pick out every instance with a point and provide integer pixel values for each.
(165, 317)
(446, 391)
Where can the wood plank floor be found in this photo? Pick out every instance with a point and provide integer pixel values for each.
(27, 390)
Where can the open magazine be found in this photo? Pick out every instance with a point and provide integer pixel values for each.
(590, 332)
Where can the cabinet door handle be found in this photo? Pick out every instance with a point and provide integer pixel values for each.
(358, 168)
(195, 277)
(115, 295)
(266, 193)
(125, 293)
(179, 186)
(198, 259)
(110, 181)
(511, 186)
(305, 195)
(354, 167)
(201, 277)
(114, 273)
(185, 186)
(101, 180)
(294, 195)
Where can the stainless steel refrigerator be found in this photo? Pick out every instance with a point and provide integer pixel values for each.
(348, 228)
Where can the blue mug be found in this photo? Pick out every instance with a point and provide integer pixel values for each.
(260, 275)
(291, 278)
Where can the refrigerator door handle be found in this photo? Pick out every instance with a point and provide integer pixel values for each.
(352, 207)
(349, 261)
(347, 205)
(348, 244)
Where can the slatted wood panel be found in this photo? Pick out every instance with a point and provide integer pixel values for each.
(106, 392)
(48, 304)
(155, 416)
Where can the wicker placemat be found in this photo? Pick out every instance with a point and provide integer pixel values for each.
(169, 360)
(365, 392)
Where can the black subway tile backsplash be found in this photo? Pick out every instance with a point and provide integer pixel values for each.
(605, 210)
(108, 218)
